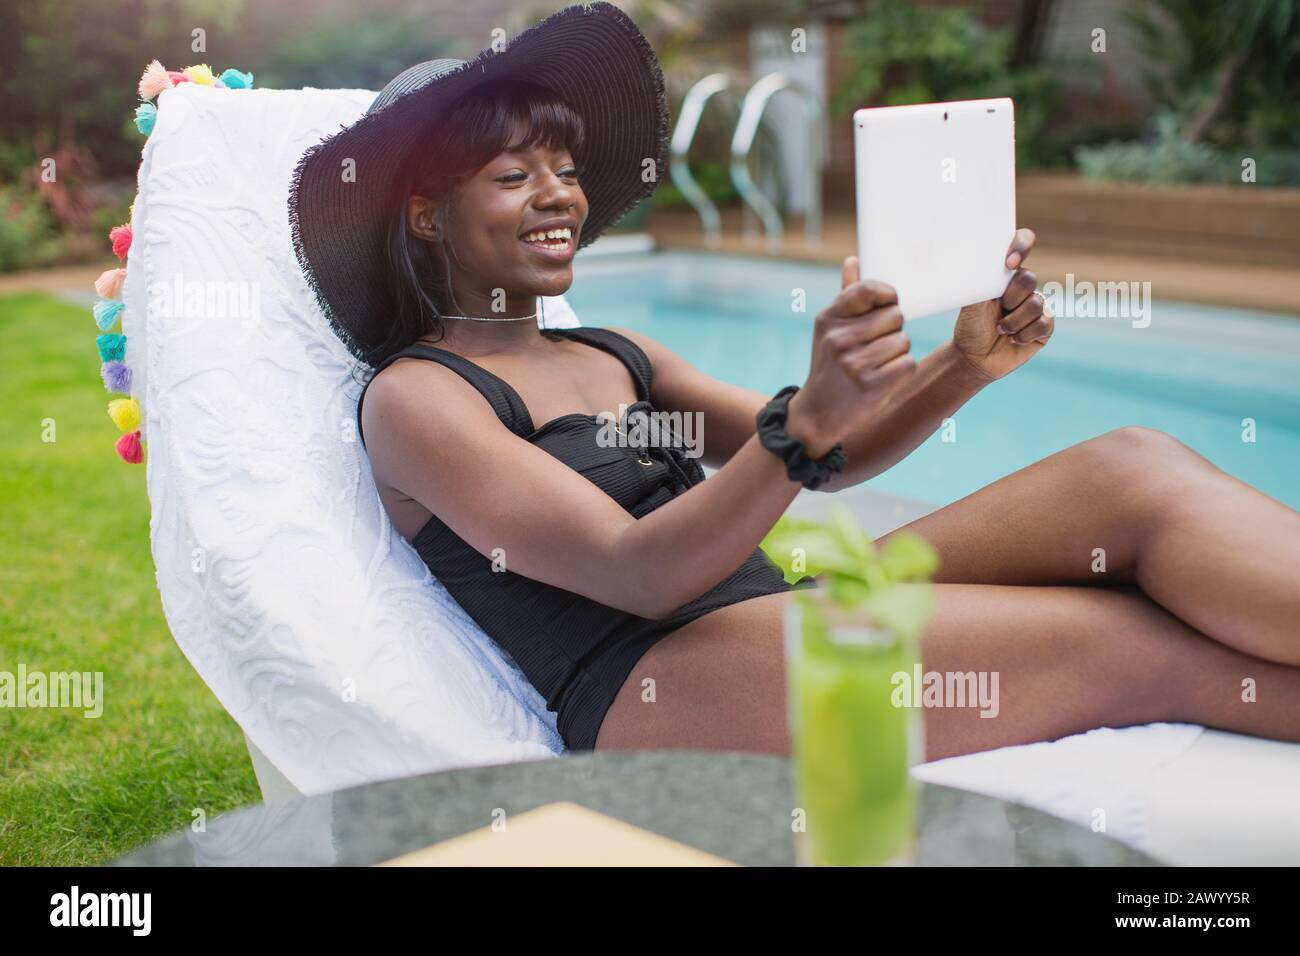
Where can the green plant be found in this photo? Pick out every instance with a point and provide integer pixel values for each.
(1171, 159)
(1229, 71)
(892, 584)
(362, 51)
(27, 234)
(1168, 160)
(902, 54)
(114, 211)
(1063, 139)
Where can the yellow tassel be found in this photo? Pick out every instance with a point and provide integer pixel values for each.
(201, 74)
(125, 413)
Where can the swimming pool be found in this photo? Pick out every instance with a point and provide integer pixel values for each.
(1196, 372)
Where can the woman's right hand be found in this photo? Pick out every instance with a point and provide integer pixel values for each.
(859, 356)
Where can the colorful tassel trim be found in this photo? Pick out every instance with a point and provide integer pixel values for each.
(125, 413)
(109, 284)
(116, 376)
(157, 78)
(154, 80)
(106, 312)
(200, 75)
(235, 80)
(120, 237)
(128, 447)
(112, 347)
(146, 114)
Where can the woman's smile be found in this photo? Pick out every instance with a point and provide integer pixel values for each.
(555, 240)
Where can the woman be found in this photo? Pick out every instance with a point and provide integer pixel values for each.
(631, 591)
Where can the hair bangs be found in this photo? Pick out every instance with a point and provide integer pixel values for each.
(502, 117)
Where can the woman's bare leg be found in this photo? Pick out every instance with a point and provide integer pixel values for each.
(1068, 659)
(1212, 550)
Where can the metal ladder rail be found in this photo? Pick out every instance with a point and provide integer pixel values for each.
(751, 113)
(688, 122)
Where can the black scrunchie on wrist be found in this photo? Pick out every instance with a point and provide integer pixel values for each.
(812, 473)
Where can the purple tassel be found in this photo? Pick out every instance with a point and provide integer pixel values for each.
(117, 377)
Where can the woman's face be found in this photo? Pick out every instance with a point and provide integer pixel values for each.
(493, 224)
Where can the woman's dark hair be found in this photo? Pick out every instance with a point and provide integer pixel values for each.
(500, 116)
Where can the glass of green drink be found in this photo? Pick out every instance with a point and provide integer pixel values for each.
(850, 746)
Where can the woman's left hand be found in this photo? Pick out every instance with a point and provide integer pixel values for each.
(1000, 335)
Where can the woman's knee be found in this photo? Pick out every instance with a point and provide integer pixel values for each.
(1138, 441)
(1139, 465)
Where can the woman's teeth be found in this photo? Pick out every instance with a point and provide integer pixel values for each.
(551, 238)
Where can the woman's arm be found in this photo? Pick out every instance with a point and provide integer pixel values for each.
(431, 436)
(943, 382)
(979, 352)
(991, 339)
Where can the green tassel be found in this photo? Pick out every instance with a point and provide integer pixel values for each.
(146, 114)
(106, 313)
(236, 80)
(112, 347)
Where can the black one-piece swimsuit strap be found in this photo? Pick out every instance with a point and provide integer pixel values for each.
(504, 400)
(500, 394)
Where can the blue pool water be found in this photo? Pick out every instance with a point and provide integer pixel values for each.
(1196, 372)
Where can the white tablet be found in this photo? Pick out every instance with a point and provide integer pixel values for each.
(936, 188)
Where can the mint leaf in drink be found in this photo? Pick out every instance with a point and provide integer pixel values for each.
(907, 557)
(903, 608)
(799, 547)
(850, 534)
(890, 583)
(847, 591)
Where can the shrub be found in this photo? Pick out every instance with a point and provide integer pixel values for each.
(903, 54)
(1170, 159)
(27, 234)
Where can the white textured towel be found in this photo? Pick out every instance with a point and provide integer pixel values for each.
(318, 627)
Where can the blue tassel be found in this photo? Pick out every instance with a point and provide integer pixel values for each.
(146, 114)
(106, 313)
(112, 347)
(236, 80)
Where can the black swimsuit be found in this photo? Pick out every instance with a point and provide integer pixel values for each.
(575, 651)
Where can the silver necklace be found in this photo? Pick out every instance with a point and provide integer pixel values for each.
(480, 318)
(502, 318)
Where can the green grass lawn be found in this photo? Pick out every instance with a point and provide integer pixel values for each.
(77, 593)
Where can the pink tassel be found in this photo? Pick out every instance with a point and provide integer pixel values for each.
(109, 285)
(120, 236)
(128, 447)
(154, 80)
(177, 77)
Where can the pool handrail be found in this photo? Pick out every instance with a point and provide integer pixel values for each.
(688, 122)
(751, 114)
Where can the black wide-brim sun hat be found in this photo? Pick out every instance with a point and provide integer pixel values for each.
(592, 55)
